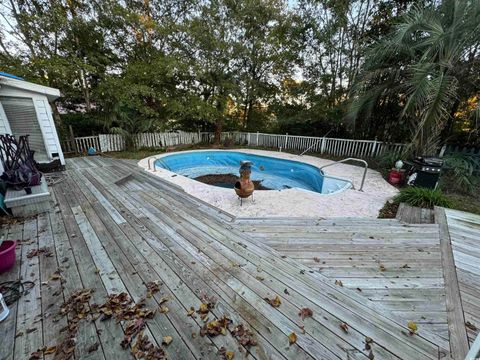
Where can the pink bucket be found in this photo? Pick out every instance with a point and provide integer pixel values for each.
(7, 255)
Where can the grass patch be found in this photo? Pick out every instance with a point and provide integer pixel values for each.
(463, 202)
(134, 154)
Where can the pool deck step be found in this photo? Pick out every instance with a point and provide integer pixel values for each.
(415, 215)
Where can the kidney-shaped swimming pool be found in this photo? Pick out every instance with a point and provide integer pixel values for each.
(272, 173)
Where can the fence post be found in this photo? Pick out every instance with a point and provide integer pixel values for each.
(286, 140)
(248, 139)
(322, 148)
(374, 148)
(257, 138)
(72, 139)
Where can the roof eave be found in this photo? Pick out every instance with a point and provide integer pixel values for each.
(51, 93)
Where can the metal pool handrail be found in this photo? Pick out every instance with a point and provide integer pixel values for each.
(148, 160)
(351, 159)
(316, 142)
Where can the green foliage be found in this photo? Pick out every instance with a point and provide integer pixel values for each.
(423, 66)
(422, 197)
(386, 161)
(82, 125)
(267, 65)
(459, 173)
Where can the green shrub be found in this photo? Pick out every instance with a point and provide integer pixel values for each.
(459, 172)
(422, 197)
(387, 160)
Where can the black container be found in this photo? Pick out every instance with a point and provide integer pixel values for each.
(427, 170)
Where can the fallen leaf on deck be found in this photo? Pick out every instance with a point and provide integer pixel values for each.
(163, 300)
(35, 355)
(370, 355)
(344, 327)
(144, 349)
(305, 312)
(243, 335)
(216, 327)
(339, 282)
(49, 350)
(167, 340)
(20, 333)
(405, 266)
(260, 278)
(227, 355)
(132, 329)
(93, 347)
(292, 338)
(35, 252)
(412, 327)
(286, 292)
(316, 259)
(275, 302)
(164, 309)
(382, 267)
(152, 288)
(471, 326)
(31, 330)
(368, 341)
(191, 312)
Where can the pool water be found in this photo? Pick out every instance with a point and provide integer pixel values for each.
(273, 173)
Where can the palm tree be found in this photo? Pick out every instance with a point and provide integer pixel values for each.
(427, 65)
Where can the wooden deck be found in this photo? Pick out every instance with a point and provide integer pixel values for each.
(415, 215)
(464, 231)
(397, 266)
(115, 228)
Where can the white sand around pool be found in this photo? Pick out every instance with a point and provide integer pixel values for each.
(292, 202)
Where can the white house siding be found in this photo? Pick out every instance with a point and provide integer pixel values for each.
(42, 108)
(4, 126)
(23, 119)
(44, 117)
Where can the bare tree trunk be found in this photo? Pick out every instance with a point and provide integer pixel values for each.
(218, 131)
(56, 114)
(86, 91)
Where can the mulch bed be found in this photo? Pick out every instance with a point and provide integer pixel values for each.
(389, 211)
(213, 179)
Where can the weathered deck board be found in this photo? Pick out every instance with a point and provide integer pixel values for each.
(369, 257)
(142, 229)
(415, 215)
(8, 326)
(170, 203)
(464, 232)
(29, 310)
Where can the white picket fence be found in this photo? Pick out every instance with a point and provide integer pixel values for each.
(322, 145)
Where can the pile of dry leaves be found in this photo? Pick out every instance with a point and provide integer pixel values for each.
(118, 306)
(35, 252)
